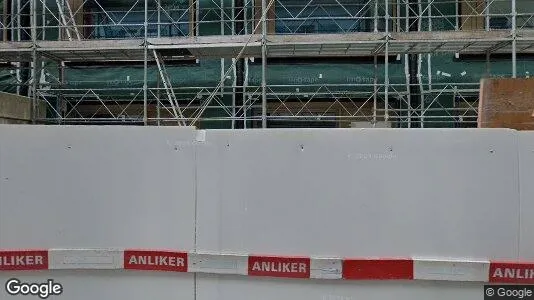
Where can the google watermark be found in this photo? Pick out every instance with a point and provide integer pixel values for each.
(43, 290)
(519, 292)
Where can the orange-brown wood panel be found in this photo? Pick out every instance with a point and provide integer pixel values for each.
(471, 11)
(271, 16)
(351, 111)
(506, 103)
(77, 9)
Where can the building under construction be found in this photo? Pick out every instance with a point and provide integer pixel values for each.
(261, 63)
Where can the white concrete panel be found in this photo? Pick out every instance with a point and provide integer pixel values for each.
(356, 193)
(218, 288)
(100, 187)
(96, 187)
(360, 193)
(526, 169)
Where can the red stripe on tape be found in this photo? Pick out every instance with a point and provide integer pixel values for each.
(155, 260)
(23, 260)
(273, 266)
(382, 269)
(509, 272)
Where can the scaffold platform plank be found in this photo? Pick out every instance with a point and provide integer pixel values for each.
(301, 45)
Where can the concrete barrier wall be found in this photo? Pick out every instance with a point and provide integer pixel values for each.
(526, 171)
(333, 193)
(99, 187)
(352, 193)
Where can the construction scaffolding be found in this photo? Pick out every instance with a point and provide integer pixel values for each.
(268, 63)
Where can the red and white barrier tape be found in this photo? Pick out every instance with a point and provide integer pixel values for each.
(268, 266)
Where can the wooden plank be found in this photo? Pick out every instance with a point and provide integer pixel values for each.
(506, 103)
(271, 16)
(470, 11)
(363, 111)
(77, 8)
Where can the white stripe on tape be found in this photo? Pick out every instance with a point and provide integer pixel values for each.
(451, 270)
(86, 259)
(218, 263)
(201, 136)
(326, 268)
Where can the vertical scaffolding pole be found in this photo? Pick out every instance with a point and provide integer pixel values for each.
(375, 83)
(487, 14)
(241, 100)
(414, 13)
(197, 17)
(246, 61)
(514, 39)
(221, 4)
(386, 65)
(43, 22)
(158, 101)
(24, 21)
(33, 24)
(408, 64)
(234, 98)
(15, 36)
(42, 74)
(396, 24)
(234, 81)
(376, 16)
(375, 90)
(19, 21)
(223, 75)
(6, 20)
(429, 70)
(420, 97)
(264, 64)
(145, 68)
(159, 18)
(61, 98)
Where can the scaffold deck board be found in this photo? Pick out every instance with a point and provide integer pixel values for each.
(303, 45)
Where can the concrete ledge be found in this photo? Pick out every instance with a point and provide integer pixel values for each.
(16, 109)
